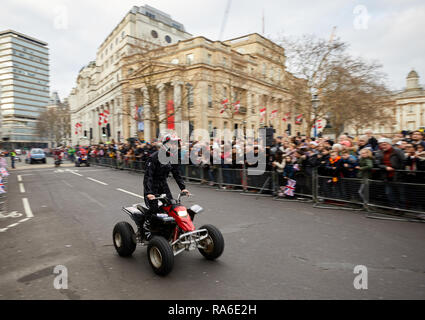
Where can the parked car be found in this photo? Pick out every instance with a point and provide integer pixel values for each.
(36, 155)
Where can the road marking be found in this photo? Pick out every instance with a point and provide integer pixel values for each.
(133, 194)
(27, 208)
(97, 181)
(19, 177)
(92, 199)
(3, 230)
(75, 173)
(23, 220)
(12, 225)
(21, 188)
(67, 183)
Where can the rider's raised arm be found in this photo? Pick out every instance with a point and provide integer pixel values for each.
(177, 176)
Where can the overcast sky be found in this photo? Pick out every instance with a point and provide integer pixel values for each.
(390, 31)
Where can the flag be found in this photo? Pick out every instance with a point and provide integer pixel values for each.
(298, 119)
(224, 104)
(319, 124)
(105, 116)
(2, 190)
(262, 112)
(4, 172)
(273, 114)
(286, 117)
(290, 187)
(237, 106)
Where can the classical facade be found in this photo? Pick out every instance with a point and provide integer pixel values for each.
(200, 84)
(410, 105)
(99, 84)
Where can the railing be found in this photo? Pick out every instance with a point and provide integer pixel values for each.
(3, 195)
(405, 194)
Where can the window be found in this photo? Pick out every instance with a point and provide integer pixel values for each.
(111, 46)
(209, 96)
(122, 35)
(224, 61)
(271, 73)
(175, 61)
(264, 69)
(224, 92)
(209, 58)
(168, 39)
(154, 34)
(189, 58)
(210, 128)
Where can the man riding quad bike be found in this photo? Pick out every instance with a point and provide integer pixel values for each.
(82, 158)
(163, 223)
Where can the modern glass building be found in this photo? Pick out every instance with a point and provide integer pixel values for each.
(24, 88)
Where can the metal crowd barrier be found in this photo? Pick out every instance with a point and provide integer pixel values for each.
(406, 194)
(3, 196)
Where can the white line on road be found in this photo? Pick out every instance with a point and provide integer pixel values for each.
(19, 177)
(97, 181)
(27, 208)
(12, 225)
(133, 194)
(23, 220)
(92, 199)
(75, 173)
(21, 187)
(67, 183)
(3, 230)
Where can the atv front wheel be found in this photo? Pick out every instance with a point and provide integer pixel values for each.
(160, 256)
(123, 237)
(213, 244)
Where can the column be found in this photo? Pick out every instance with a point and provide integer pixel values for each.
(162, 109)
(146, 115)
(177, 98)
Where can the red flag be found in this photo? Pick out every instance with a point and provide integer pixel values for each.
(273, 114)
(237, 106)
(263, 112)
(298, 119)
(286, 116)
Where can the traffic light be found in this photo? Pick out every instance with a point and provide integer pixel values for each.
(108, 130)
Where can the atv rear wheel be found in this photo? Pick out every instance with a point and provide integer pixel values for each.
(123, 237)
(214, 243)
(160, 256)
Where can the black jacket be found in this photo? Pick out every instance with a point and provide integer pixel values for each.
(156, 174)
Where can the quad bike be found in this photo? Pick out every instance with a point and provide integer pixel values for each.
(82, 159)
(172, 232)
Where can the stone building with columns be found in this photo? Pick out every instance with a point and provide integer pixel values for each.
(99, 85)
(183, 86)
(410, 105)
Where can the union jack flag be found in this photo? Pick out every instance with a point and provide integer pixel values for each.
(290, 187)
(2, 186)
(4, 172)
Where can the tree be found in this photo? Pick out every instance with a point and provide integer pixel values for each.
(55, 124)
(348, 88)
(143, 68)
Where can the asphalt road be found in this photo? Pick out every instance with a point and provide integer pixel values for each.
(274, 249)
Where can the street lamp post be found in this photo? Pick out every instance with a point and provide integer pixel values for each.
(315, 104)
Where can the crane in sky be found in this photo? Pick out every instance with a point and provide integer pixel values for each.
(223, 24)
